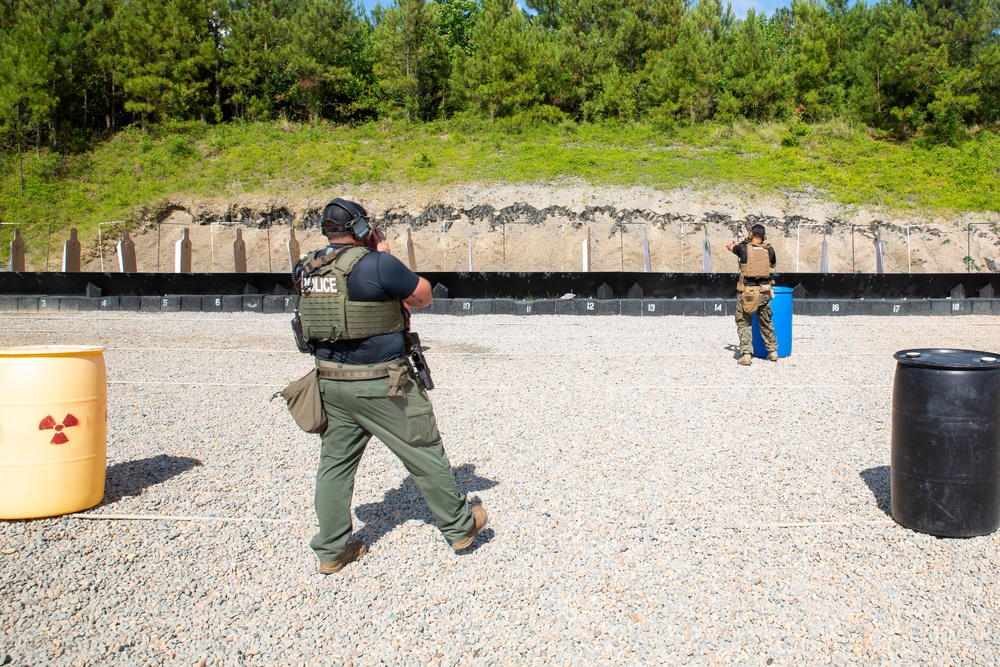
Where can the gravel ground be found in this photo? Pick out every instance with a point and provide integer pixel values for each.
(651, 503)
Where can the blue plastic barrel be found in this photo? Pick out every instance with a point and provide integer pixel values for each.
(781, 317)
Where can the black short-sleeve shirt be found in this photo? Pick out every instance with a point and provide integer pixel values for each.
(377, 276)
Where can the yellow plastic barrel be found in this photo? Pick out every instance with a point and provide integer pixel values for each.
(53, 429)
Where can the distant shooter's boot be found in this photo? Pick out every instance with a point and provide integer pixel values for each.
(772, 355)
(745, 359)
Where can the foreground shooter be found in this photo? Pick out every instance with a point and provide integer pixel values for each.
(372, 379)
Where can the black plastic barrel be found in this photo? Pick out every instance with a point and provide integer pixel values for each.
(945, 459)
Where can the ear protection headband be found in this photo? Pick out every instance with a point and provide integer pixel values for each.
(358, 225)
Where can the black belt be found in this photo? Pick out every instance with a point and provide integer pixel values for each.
(754, 283)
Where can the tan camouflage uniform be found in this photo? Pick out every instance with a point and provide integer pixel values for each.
(754, 296)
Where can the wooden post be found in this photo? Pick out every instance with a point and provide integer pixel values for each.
(182, 254)
(411, 254)
(586, 252)
(294, 254)
(239, 253)
(17, 252)
(680, 246)
(71, 253)
(470, 254)
(48, 244)
(268, 228)
(126, 254)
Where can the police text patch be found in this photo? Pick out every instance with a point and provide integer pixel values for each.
(319, 285)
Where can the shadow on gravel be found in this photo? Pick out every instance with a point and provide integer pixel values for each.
(877, 480)
(406, 503)
(131, 478)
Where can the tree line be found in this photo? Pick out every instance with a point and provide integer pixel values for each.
(75, 70)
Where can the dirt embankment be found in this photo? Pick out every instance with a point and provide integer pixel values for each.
(546, 228)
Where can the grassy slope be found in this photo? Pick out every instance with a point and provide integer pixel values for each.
(138, 169)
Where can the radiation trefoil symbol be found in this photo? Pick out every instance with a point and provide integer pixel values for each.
(59, 438)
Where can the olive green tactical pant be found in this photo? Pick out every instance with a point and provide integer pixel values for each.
(744, 325)
(357, 410)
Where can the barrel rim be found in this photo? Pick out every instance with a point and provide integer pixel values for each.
(929, 361)
(51, 350)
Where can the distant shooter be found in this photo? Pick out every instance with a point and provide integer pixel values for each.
(753, 293)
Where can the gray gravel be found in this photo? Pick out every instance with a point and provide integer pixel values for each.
(651, 503)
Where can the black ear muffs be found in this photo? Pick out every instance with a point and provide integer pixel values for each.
(358, 225)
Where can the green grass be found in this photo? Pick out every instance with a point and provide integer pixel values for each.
(138, 170)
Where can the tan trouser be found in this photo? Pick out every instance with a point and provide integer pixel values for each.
(761, 304)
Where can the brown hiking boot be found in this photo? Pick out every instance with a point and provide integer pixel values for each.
(355, 550)
(744, 360)
(772, 356)
(479, 521)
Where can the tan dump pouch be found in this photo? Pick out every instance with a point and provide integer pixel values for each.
(750, 299)
(305, 403)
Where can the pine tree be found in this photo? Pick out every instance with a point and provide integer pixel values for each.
(253, 69)
(817, 93)
(939, 52)
(684, 76)
(757, 82)
(167, 59)
(327, 56)
(581, 41)
(411, 59)
(507, 69)
(874, 61)
(104, 53)
(26, 72)
(621, 87)
(601, 46)
(456, 19)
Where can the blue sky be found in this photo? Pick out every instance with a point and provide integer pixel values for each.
(740, 7)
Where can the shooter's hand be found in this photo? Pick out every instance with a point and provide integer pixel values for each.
(377, 241)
